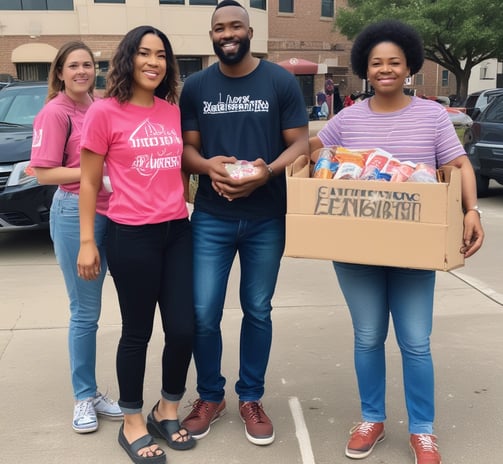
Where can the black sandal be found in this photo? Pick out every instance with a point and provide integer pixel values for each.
(167, 428)
(142, 442)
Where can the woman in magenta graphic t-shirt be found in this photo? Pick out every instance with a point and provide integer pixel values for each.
(136, 130)
(55, 158)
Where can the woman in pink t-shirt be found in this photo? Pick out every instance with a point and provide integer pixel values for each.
(55, 158)
(136, 130)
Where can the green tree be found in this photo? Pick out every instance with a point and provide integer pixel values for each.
(457, 34)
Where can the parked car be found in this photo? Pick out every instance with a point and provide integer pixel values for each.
(24, 204)
(483, 143)
(458, 117)
(476, 102)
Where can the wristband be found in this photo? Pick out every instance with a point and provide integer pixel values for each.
(476, 209)
(270, 171)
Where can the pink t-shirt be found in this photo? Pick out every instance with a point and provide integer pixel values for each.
(50, 129)
(143, 154)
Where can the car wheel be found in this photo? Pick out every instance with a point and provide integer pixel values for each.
(482, 185)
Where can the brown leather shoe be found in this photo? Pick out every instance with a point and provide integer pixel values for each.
(203, 414)
(258, 427)
(425, 448)
(364, 436)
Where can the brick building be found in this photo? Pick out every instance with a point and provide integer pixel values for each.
(285, 31)
(305, 30)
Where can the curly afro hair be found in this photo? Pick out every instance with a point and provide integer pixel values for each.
(402, 35)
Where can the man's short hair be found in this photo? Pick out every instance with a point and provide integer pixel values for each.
(228, 3)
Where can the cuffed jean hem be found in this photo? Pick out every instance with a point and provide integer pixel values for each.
(421, 428)
(171, 397)
(373, 419)
(131, 408)
(243, 399)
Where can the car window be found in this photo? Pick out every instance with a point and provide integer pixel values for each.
(494, 112)
(20, 106)
(471, 100)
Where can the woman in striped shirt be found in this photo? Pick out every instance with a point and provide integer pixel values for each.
(417, 130)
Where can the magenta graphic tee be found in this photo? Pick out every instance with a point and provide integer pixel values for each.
(143, 154)
(50, 132)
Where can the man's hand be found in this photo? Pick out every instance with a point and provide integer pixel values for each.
(240, 188)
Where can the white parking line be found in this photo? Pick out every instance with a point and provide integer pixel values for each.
(479, 286)
(301, 431)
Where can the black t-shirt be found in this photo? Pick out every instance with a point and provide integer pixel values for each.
(243, 117)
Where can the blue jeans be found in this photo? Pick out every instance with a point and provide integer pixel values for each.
(372, 293)
(260, 245)
(84, 295)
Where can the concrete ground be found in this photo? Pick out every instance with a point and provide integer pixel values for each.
(311, 390)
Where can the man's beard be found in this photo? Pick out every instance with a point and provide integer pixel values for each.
(243, 49)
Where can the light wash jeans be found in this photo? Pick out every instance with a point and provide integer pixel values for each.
(372, 293)
(84, 296)
(260, 245)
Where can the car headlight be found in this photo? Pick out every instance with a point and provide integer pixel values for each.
(20, 176)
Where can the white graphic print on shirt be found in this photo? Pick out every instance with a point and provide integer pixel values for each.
(160, 148)
(232, 104)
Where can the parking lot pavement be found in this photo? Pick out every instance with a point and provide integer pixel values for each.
(310, 392)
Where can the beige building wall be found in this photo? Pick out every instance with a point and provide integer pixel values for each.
(35, 36)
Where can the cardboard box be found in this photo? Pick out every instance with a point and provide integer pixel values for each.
(406, 224)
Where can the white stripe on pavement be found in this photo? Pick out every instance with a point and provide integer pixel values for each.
(301, 431)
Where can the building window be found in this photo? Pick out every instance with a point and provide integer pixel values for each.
(203, 2)
(33, 71)
(419, 79)
(286, 6)
(188, 66)
(445, 78)
(36, 5)
(259, 4)
(327, 8)
(306, 83)
(172, 2)
(101, 74)
(485, 72)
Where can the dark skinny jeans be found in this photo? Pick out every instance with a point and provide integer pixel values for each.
(152, 265)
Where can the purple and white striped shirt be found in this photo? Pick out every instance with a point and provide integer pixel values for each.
(421, 132)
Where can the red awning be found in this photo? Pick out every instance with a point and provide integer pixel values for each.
(299, 66)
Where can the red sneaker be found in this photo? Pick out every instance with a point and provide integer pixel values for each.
(425, 448)
(364, 436)
(203, 414)
(258, 427)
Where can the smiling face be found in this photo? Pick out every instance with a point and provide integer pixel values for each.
(149, 63)
(231, 34)
(387, 68)
(78, 73)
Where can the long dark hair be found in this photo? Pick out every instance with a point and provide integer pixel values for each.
(55, 84)
(120, 82)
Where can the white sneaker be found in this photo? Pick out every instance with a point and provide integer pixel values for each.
(84, 416)
(104, 406)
